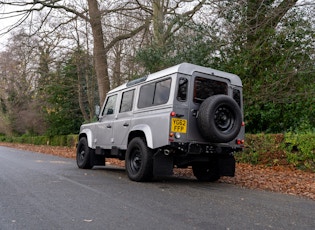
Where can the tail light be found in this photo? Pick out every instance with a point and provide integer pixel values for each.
(240, 142)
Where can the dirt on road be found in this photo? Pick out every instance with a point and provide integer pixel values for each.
(276, 178)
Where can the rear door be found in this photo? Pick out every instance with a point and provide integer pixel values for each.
(202, 87)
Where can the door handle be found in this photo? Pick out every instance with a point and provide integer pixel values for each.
(108, 126)
(194, 112)
(126, 124)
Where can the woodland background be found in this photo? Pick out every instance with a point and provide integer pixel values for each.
(61, 57)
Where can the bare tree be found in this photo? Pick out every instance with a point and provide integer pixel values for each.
(169, 16)
(92, 14)
(19, 109)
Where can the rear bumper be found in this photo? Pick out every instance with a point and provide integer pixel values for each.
(202, 149)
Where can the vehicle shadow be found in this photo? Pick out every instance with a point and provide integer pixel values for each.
(160, 180)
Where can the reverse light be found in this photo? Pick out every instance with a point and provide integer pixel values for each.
(177, 135)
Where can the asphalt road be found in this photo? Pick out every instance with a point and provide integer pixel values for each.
(39, 191)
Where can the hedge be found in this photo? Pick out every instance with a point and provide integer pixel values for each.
(63, 140)
(297, 150)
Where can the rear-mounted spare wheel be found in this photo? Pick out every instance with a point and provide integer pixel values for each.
(219, 119)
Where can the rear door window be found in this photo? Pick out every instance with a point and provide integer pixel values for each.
(204, 88)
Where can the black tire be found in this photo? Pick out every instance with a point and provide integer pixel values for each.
(207, 172)
(84, 154)
(139, 160)
(219, 119)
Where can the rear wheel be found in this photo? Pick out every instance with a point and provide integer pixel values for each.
(139, 160)
(83, 154)
(207, 172)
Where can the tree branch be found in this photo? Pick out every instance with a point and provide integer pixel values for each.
(128, 35)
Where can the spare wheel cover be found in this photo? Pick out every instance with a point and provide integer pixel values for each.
(219, 118)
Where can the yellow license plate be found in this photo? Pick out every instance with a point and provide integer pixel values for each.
(179, 125)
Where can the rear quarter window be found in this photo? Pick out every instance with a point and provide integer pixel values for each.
(237, 96)
(156, 93)
(182, 89)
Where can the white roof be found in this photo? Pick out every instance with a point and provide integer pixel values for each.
(188, 69)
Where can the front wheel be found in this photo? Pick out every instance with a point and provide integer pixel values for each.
(139, 160)
(84, 154)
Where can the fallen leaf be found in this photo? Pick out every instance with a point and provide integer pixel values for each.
(88, 221)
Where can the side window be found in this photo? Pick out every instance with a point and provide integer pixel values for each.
(156, 93)
(182, 89)
(126, 101)
(237, 96)
(146, 96)
(162, 92)
(110, 105)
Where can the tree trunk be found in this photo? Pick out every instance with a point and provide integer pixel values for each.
(100, 56)
(80, 76)
(117, 75)
(158, 22)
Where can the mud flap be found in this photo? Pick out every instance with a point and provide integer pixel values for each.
(96, 159)
(227, 165)
(162, 164)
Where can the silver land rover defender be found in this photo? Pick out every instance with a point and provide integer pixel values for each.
(186, 115)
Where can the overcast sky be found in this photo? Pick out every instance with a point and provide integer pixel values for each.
(6, 21)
